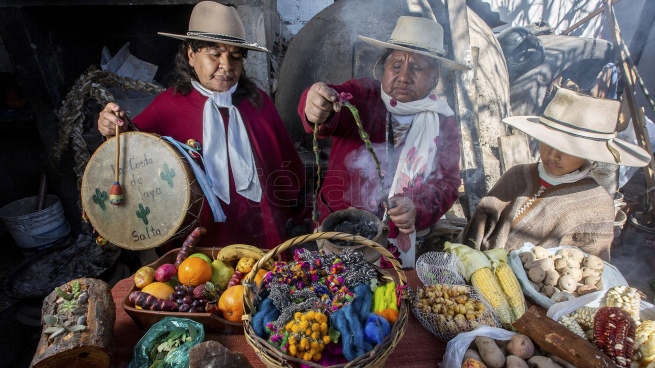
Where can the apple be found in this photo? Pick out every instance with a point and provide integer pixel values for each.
(203, 256)
(221, 274)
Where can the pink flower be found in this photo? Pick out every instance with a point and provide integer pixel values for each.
(343, 97)
(433, 97)
(393, 103)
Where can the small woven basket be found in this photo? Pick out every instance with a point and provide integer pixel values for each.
(272, 357)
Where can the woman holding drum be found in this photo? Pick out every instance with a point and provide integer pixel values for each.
(249, 157)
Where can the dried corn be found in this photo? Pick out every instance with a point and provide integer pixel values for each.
(572, 325)
(626, 298)
(585, 317)
(644, 352)
(614, 334)
(508, 281)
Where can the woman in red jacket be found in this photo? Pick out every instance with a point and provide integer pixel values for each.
(250, 159)
(414, 132)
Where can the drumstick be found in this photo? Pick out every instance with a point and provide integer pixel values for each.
(116, 192)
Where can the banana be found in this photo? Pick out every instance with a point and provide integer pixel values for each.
(235, 252)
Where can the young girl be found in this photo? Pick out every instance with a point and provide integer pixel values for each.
(555, 202)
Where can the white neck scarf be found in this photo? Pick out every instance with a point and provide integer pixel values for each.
(579, 174)
(417, 155)
(216, 147)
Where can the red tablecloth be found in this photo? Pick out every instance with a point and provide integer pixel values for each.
(417, 348)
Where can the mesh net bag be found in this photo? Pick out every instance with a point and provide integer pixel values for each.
(439, 268)
(448, 310)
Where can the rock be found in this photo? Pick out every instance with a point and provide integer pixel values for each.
(211, 354)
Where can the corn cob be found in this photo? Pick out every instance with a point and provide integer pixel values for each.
(508, 281)
(572, 325)
(485, 282)
(614, 334)
(626, 298)
(644, 352)
(477, 270)
(584, 316)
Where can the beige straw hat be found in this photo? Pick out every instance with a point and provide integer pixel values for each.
(211, 21)
(582, 126)
(420, 35)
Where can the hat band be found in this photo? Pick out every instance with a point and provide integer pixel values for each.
(574, 130)
(417, 46)
(215, 36)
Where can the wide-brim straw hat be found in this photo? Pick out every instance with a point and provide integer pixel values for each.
(420, 35)
(211, 21)
(582, 126)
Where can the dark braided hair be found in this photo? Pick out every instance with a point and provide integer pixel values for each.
(184, 73)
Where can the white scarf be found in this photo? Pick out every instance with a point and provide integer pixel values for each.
(579, 174)
(216, 147)
(420, 138)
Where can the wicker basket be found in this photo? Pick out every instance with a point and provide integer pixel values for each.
(275, 358)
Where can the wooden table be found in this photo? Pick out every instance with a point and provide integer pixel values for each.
(417, 348)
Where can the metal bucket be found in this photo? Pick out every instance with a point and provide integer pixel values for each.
(33, 231)
(354, 215)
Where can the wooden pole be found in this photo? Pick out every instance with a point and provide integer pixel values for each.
(558, 340)
(472, 169)
(585, 19)
(638, 121)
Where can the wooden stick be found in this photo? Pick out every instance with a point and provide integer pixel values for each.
(585, 19)
(638, 121)
(116, 192)
(558, 340)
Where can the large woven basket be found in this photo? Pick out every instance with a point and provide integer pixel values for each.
(272, 357)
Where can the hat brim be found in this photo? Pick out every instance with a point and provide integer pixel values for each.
(594, 150)
(249, 46)
(444, 62)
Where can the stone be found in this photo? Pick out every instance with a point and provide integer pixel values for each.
(212, 354)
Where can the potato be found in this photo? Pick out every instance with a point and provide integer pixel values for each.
(502, 345)
(512, 361)
(470, 353)
(527, 257)
(576, 273)
(540, 252)
(586, 271)
(521, 346)
(544, 263)
(585, 289)
(567, 283)
(561, 361)
(551, 278)
(549, 290)
(560, 263)
(594, 262)
(473, 363)
(144, 276)
(591, 280)
(576, 254)
(536, 274)
(490, 352)
(535, 285)
(542, 362)
(564, 252)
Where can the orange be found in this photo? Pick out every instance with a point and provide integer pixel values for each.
(194, 271)
(260, 275)
(231, 303)
(158, 290)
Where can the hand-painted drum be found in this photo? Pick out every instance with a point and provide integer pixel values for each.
(161, 197)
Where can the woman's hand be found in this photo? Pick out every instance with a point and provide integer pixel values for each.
(108, 119)
(402, 213)
(321, 102)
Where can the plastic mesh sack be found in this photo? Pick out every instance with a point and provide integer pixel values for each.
(179, 357)
(441, 314)
(439, 268)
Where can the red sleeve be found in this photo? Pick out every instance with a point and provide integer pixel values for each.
(441, 189)
(364, 93)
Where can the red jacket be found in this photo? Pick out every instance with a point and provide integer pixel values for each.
(344, 187)
(281, 173)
